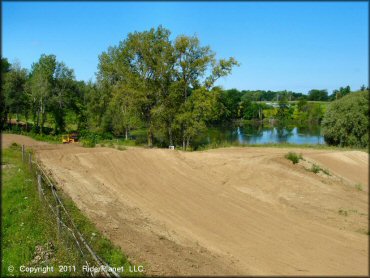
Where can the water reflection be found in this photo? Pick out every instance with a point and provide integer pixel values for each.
(258, 134)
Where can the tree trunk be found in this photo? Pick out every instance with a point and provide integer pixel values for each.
(184, 143)
(150, 137)
(188, 142)
(126, 133)
(26, 118)
(38, 120)
(170, 136)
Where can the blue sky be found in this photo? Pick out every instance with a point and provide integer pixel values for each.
(295, 46)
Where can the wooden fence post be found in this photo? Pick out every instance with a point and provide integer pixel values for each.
(23, 153)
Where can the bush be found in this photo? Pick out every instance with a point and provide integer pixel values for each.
(121, 148)
(315, 168)
(293, 157)
(358, 186)
(87, 143)
(346, 123)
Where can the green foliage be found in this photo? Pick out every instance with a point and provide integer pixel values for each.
(343, 91)
(162, 84)
(346, 123)
(315, 168)
(26, 222)
(88, 143)
(121, 148)
(318, 95)
(230, 101)
(293, 157)
(343, 212)
(358, 186)
(284, 111)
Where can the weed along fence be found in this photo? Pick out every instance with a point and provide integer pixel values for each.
(67, 230)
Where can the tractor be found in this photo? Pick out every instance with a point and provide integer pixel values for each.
(70, 138)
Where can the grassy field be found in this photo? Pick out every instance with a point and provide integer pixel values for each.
(28, 227)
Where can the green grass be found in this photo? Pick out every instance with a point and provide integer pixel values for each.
(293, 157)
(119, 142)
(358, 186)
(87, 143)
(27, 222)
(225, 144)
(315, 168)
(343, 212)
(121, 148)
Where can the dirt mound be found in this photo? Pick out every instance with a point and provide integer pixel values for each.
(8, 139)
(227, 211)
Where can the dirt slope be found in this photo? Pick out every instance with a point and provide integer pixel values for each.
(226, 211)
(8, 139)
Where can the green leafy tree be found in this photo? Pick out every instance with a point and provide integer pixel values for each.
(41, 85)
(318, 95)
(346, 121)
(143, 62)
(60, 100)
(230, 101)
(198, 109)
(14, 89)
(283, 112)
(5, 68)
(124, 114)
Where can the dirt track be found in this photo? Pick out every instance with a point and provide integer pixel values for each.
(227, 211)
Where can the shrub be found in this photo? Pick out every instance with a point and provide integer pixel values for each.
(326, 171)
(293, 157)
(345, 122)
(15, 146)
(121, 148)
(358, 186)
(343, 212)
(86, 143)
(315, 168)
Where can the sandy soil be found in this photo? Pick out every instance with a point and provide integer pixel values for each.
(227, 211)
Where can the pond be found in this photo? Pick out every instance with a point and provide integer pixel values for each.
(260, 134)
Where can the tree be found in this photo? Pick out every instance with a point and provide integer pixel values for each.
(14, 91)
(283, 112)
(345, 123)
(199, 108)
(63, 88)
(318, 95)
(159, 76)
(5, 68)
(230, 100)
(123, 112)
(142, 62)
(41, 85)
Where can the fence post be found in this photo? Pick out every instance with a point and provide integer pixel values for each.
(23, 153)
(39, 185)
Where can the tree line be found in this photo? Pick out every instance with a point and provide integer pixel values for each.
(146, 81)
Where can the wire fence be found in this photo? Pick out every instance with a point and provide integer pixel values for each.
(67, 229)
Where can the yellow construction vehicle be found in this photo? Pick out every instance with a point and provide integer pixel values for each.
(70, 138)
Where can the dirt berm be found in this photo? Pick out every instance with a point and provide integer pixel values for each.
(243, 211)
